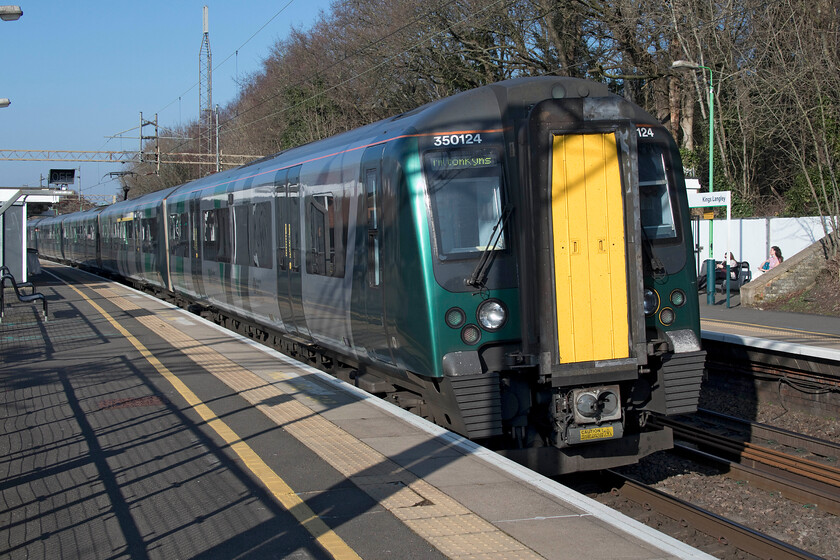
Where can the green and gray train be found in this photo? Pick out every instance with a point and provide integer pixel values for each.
(512, 263)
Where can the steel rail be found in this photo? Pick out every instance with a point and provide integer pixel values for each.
(765, 432)
(726, 532)
(803, 481)
(747, 451)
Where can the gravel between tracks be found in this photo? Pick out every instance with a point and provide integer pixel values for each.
(804, 526)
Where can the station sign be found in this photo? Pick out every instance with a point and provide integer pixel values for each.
(62, 176)
(706, 199)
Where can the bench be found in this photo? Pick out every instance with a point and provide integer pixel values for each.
(739, 275)
(34, 296)
(4, 271)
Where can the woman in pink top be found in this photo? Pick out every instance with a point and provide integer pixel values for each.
(775, 259)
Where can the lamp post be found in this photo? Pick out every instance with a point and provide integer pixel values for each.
(10, 13)
(710, 269)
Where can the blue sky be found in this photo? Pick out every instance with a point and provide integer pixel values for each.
(79, 71)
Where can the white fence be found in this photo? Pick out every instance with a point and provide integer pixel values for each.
(751, 238)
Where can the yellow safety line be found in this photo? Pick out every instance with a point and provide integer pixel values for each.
(768, 328)
(325, 536)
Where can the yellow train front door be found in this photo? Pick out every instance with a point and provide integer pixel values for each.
(590, 269)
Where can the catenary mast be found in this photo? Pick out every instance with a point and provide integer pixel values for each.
(205, 96)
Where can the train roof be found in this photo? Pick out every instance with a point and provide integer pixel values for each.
(139, 203)
(479, 108)
(475, 109)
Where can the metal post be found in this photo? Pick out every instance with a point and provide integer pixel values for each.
(728, 248)
(218, 159)
(157, 146)
(140, 151)
(710, 296)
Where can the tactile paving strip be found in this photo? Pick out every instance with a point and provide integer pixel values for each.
(747, 329)
(432, 514)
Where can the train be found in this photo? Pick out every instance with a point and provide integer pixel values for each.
(512, 263)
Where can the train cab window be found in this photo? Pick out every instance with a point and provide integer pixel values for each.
(657, 213)
(465, 190)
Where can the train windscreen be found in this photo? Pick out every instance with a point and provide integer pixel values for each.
(657, 212)
(465, 191)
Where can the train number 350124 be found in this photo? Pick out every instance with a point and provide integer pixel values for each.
(457, 139)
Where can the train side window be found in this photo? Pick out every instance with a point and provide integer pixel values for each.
(326, 226)
(128, 231)
(225, 241)
(148, 236)
(260, 233)
(178, 234)
(196, 228)
(319, 208)
(217, 242)
(242, 246)
(211, 235)
(374, 264)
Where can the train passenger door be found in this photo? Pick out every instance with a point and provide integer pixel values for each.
(281, 245)
(590, 273)
(289, 254)
(137, 229)
(375, 337)
(196, 236)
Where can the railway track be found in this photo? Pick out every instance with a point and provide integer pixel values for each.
(750, 457)
(701, 528)
(774, 462)
(807, 384)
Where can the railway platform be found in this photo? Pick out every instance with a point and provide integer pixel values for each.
(798, 334)
(133, 429)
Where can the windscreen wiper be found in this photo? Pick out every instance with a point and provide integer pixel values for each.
(656, 267)
(478, 278)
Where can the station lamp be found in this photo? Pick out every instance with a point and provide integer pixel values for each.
(10, 13)
(685, 64)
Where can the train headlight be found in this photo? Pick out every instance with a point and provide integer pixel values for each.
(651, 302)
(666, 317)
(678, 298)
(492, 315)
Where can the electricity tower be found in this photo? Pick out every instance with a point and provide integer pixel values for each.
(206, 130)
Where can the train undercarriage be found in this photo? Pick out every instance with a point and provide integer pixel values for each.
(549, 429)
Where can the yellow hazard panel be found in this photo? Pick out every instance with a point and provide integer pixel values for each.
(590, 271)
(596, 433)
